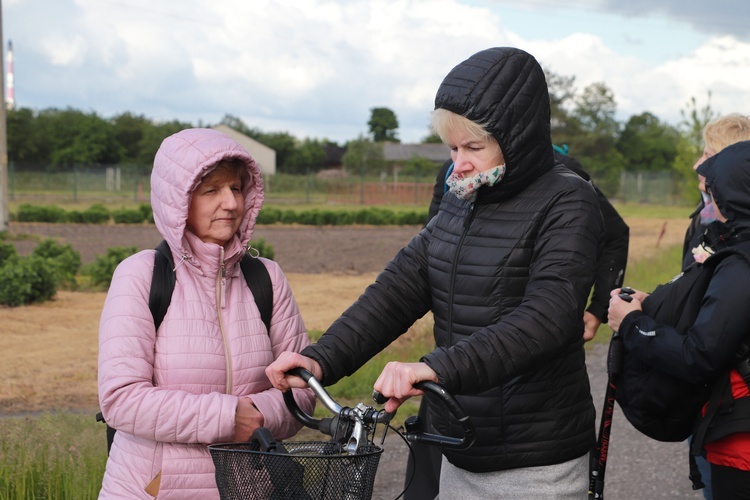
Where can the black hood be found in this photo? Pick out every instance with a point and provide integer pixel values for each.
(504, 89)
(728, 178)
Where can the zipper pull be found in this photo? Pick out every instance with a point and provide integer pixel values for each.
(222, 282)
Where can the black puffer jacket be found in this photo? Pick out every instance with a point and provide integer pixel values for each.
(709, 346)
(507, 279)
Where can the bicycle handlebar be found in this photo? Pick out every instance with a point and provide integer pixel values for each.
(414, 431)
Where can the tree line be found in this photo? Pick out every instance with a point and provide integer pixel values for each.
(582, 119)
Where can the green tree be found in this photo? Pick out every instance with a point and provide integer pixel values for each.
(237, 124)
(433, 138)
(690, 145)
(77, 137)
(153, 137)
(421, 167)
(594, 146)
(309, 154)
(383, 125)
(564, 126)
(595, 110)
(363, 155)
(648, 144)
(283, 143)
(129, 130)
(22, 136)
(694, 120)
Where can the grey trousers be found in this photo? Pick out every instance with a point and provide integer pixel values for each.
(565, 481)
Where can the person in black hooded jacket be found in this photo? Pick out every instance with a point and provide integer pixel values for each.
(710, 346)
(506, 267)
(422, 473)
(614, 258)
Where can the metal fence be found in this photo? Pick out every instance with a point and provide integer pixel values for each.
(128, 184)
(655, 188)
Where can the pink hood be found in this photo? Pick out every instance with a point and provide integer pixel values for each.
(180, 164)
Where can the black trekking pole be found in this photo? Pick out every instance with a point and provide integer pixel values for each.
(599, 453)
(598, 464)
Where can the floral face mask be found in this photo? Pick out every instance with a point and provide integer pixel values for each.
(466, 187)
(708, 214)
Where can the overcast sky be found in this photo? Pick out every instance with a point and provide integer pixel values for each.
(315, 68)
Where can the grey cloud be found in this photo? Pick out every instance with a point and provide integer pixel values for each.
(727, 17)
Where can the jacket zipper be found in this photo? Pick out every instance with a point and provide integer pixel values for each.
(221, 283)
(467, 224)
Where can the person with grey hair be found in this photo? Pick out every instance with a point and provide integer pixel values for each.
(506, 267)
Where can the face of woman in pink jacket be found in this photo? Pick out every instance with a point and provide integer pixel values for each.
(217, 204)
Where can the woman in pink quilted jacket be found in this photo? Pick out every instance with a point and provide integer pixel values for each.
(200, 378)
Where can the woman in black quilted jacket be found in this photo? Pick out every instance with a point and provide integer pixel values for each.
(506, 267)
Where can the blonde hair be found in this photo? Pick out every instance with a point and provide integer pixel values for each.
(725, 131)
(445, 123)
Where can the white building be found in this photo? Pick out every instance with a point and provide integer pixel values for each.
(264, 156)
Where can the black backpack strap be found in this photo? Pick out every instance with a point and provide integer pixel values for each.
(162, 286)
(259, 281)
(162, 283)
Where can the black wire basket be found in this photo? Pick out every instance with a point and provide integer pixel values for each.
(305, 470)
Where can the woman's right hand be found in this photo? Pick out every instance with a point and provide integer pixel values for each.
(247, 418)
(276, 371)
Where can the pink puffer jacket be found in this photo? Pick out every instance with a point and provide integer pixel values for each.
(171, 393)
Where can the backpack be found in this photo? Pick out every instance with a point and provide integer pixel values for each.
(162, 285)
(657, 404)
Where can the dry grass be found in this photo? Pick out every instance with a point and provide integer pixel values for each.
(49, 351)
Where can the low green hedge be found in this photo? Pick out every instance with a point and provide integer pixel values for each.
(99, 214)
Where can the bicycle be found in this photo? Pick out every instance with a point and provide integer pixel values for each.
(342, 468)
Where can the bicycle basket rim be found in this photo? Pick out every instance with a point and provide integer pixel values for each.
(240, 447)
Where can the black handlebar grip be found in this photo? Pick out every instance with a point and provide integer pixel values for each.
(450, 402)
(301, 373)
(292, 405)
(378, 398)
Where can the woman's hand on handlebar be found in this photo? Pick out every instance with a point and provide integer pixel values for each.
(397, 380)
(276, 371)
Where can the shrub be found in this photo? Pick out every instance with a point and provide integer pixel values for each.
(7, 253)
(147, 212)
(344, 218)
(410, 218)
(96, 214)
(64, 260)
(26, 281)
(47, 213)
(288, 217)
(263, 248)
(103, 267)
(75, 216)
(127, 216)
(269, 216)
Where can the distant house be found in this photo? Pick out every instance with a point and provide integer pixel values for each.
(334, 156)
(264, 156)
(398, 154)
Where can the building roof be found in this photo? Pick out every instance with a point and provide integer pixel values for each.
(403, 152)
(264, 156)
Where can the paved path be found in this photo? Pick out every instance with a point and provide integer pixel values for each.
(637, 467)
